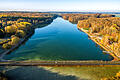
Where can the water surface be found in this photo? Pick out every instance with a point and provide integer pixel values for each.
(61, 40)
(58, 73)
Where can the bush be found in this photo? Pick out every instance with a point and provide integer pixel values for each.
(14, 40)
(25, 26)
(10, 29)
(4, 41)
(20, 20)
(20, 33)
(86, 28)
(118, 74)
(7, 46)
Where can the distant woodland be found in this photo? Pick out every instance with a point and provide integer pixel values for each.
(74, 18)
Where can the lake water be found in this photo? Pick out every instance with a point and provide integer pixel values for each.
(61, 40)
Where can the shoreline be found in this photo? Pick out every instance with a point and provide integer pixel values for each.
(23, 39)
(16, 46)
(113, 54)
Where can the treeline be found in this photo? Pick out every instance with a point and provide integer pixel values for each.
(22, 14)
(105, 30)
(74, 18)
(16, 26)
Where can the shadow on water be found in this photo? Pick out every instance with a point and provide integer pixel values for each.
(35, 73)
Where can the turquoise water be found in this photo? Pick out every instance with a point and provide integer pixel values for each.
(61, 40)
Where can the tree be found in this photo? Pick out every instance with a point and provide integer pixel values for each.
(10, 29)
(20, 33)
(14, 40)
(7, 46)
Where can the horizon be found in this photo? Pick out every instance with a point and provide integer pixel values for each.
(61, 11)
(63, 5)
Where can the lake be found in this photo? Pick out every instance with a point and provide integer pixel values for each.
(60, 40)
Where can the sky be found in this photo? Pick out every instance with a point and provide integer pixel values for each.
(60, 5)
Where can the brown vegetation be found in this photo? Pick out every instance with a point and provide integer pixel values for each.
(76, 17)
(16, 26)
(106, 31)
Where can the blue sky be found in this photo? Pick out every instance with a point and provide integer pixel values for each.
(60, 5)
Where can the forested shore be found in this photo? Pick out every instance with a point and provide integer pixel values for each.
(102, 28)
(15, 28)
